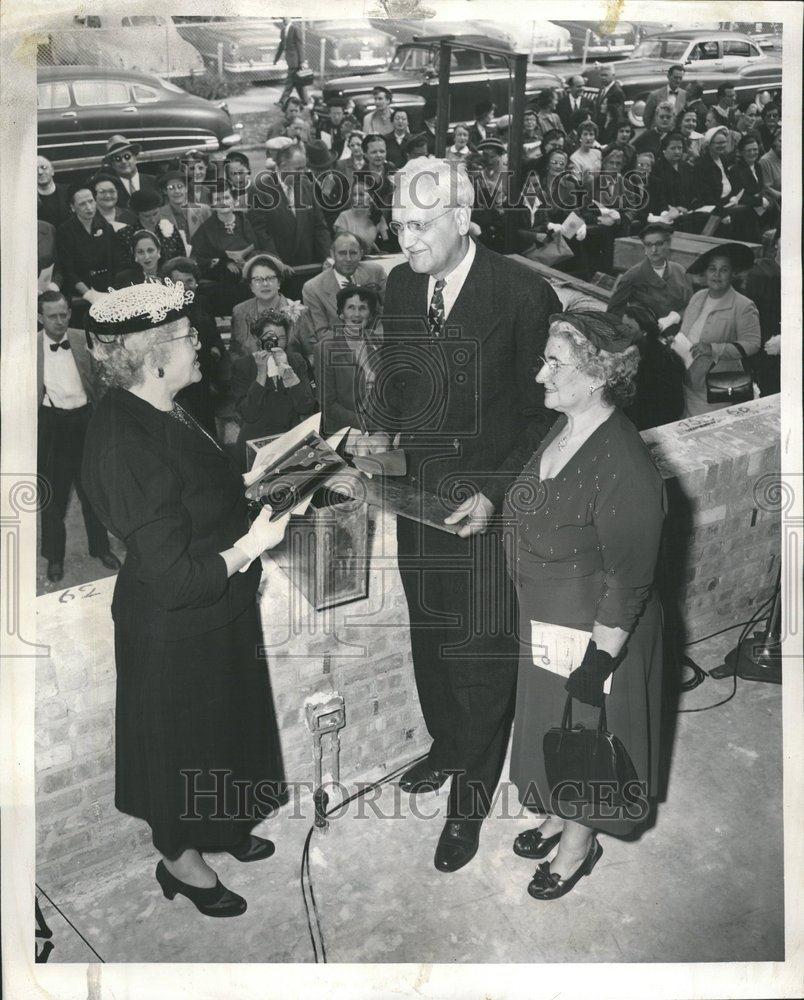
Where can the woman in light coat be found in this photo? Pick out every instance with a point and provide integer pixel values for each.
(721, 324)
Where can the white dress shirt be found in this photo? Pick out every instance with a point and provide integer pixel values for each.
(454, 281)
(63, 386)
(131, 184)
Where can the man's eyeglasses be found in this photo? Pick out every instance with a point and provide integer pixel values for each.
(120, 157)
(416, 228)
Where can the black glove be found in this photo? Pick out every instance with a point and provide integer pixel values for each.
(586, 682)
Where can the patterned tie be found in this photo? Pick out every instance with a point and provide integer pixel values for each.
(435, 314)
(64, 344)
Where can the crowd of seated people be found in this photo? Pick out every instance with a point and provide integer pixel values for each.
(234, 233)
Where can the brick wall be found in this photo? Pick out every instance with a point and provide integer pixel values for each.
(720, 562)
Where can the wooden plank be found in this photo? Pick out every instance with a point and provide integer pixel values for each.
(684, 249)
(559, 278)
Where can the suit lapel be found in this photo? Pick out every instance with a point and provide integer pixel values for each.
(475, 310)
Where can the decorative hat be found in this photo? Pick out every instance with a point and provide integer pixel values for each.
(137, 308)
(119, 144)
(144, 200)
(741, 257)
(603, 330)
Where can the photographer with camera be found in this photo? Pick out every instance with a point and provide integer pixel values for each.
(270, 386)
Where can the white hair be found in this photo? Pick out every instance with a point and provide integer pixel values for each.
(448, 177)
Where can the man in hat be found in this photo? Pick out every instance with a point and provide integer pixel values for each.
(673, 94)
(468, 428)
(336, 126)
(416, 146)
(67, 388)
(328, 187)
(378, 121)
(482, 127)
(319, 294)
(121, 156)
(656, 282)
(148, 207)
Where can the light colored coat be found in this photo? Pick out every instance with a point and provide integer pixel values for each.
(319, 293)
(197, 215)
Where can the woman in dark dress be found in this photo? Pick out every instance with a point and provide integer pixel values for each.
(586, 516)
(192, 695)
(221, 246)
(147, 253)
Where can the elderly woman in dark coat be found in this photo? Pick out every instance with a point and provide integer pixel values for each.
(586, 516)
(713, 186)
(194, 707)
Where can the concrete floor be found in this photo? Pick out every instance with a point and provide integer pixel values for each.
(703, 884)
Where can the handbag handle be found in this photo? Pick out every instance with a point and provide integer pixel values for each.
(743, 361)
(566, 719)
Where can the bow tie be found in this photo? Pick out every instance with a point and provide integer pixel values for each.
(65, 344)
(671, 91)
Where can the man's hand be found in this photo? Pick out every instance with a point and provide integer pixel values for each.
(773, 345)
(373, 444)
(477, 510)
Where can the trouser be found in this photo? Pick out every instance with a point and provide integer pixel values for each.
(463, 632)
(60, 452)
(291, 82)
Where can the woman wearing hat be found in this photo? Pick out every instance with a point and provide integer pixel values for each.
(491, 197)
(395, 139)
(586, 516)
(721, 324)
(195, 163)
(263, 274)
(221, 246)
(147, 254)
(713, 187)
(746, 176)
(148, 206)
(107, 199)
(186, 217)
(194, 709)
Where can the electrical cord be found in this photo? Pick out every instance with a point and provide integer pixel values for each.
(64, 915)
(760, 614)
(319, 948)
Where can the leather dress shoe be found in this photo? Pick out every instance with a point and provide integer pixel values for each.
(548, 885)
(109, 560)
(218, 901)
(532, 844)
(55, 571)
(252, 849)
(422, 777)
(457, 844)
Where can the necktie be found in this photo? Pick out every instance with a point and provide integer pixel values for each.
(64, 344)
(435, 314)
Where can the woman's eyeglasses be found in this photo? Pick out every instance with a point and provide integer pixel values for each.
(193, 335)
(111, 338)
(552, 364)
(264, 281)
(416, 228)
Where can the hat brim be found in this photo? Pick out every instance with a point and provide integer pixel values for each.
(133, 147)
(741, 256)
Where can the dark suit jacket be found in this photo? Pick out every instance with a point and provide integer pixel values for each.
(291, 44)
(743, 180)
(667, 186)
(614, 95)
(269, 409)
(85, 257)
(177, 502)
(570, 118)
(708, 182)
(473, 414)
(342, 393)
(641, 285)
(147, 183)
(300, 238)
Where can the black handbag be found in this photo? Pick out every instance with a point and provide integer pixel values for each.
(735, 386)
(578, 761)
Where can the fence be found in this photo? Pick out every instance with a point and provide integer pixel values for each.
(235, 51)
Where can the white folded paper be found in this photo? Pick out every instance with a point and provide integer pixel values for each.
(683, 348)
(572, 225)
(560, 649)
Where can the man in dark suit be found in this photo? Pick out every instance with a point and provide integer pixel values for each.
(66, 392)
(673, 93)
(290, 43)
(121, 159)
(483, 125)
(290, 221)
(463, 331)
(573, 107)
(610, 93)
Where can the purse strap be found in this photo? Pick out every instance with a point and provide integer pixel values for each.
(566, 720)
(743, 361)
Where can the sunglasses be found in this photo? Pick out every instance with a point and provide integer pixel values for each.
(120, 157)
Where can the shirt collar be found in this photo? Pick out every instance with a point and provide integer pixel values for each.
(457, 275)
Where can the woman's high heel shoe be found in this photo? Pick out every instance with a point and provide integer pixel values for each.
(532, 844)
(548, 885)
(217, 901)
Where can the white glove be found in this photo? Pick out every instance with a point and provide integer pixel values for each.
(263, 534)
(580, 236)
(668, 320)
(554, 227)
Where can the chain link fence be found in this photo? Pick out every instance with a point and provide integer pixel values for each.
(214, 57)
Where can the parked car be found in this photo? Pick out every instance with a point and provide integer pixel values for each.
(412, 77)
(80, 107)
(709, 57)
(406, 29)
(766, 34)
(348, 46)
(599, 40)
(238, 46)
(542, 40)
(144, 43)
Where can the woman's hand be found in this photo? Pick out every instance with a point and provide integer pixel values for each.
(586, 682)
(233, 267)
(476, 510)
(701, 351)
(261, 361)
(262, 535)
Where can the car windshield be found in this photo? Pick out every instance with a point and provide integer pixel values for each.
(411, 59)
(661, 48)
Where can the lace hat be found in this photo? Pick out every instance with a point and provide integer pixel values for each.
(137, 308)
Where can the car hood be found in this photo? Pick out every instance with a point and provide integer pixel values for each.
(244, 34)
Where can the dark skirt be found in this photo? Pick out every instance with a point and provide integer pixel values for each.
(194, 716)
(633, 708)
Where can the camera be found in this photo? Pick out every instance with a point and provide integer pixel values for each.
(269, 342)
